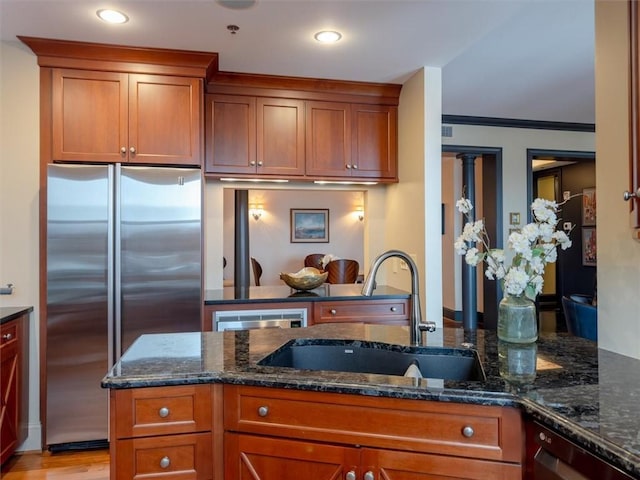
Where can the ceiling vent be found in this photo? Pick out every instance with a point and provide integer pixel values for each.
(447, 131)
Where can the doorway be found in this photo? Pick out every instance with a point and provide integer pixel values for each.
(555, 175)
(488, 179)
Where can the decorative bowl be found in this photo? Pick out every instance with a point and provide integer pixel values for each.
(306, 279)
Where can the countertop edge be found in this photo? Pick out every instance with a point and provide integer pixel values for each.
(11, 313)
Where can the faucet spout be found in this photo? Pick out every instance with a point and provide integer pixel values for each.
(416, 323)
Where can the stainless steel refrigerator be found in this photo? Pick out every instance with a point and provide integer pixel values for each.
(123, 259)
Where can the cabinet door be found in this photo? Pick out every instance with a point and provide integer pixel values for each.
(9, 389)
(263, 458)
(280, 136)
(634, 123)
(374, 141)
(230, 134)
(398, 465)
(328, 139)
(89, 115)
(165, 120)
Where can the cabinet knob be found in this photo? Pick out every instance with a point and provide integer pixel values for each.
(123, 151)
(355, 167)
(394, 309)
(7, 336)
(263, 411)
(163, 412)
(165, 462)
(351, 475)
(252, 163)
(259, 164)
(629, 195)
(468, 431)
(132, 150)
(333, 311)
(369, 476)
(348, 166)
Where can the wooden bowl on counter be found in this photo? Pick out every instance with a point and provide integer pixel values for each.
(306, 279)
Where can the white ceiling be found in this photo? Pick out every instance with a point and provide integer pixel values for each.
(515, 59)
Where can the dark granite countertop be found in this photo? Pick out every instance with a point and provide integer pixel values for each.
(285, 294)
(9, 313)
(590, 395)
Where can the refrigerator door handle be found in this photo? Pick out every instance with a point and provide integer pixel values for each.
(117, 262)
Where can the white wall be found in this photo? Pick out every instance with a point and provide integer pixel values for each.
(269, 237)
(19, 187)
(618, 254)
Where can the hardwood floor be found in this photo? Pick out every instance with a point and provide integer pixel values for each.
(86, 465)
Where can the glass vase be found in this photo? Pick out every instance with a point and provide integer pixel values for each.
(517, 319)
(517, 362)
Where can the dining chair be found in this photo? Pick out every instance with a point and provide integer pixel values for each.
(314, 260)
(581, 316)
(257, 270)
(342, 271)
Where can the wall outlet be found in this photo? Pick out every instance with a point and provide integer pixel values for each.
(403, 264)
(566, 195)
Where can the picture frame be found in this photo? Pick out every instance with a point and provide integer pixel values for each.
(589, 247)
(588, 207)
(309, 225)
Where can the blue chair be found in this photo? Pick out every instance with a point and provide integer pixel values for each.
(581, 316)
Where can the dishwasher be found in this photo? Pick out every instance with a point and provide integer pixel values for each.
(558, 458)
(252, 319)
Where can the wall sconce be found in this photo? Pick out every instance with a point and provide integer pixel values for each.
(256, 211)
(360, 213)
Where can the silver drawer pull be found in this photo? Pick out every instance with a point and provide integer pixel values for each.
(165, 462)
(333, 311)
(369, 476)
(394, 309)
(163, 412)
(351, 475)
(263, 411)
(7, 336)
(468, 431)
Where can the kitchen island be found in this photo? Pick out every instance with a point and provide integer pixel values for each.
(588, 395)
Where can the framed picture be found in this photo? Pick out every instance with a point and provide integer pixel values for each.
(589, 252)
(588, 207)
(309, 225)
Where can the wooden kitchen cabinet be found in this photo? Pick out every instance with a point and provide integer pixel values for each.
(632, 194)
(118, 117)
(351, 140)
(166, 432)
(292, 433)
(254, 135)
(380, 311)
(14, 381)
(328, 139)
(374, 141)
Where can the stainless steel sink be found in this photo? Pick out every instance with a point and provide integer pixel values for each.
(377, 358)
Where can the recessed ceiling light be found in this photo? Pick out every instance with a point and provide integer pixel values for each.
(112, 16)
(327, 36)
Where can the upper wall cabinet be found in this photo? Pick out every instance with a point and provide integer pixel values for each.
(118, 117)
(301, 129)
(352, 141)
(254, 135)
(104, 103)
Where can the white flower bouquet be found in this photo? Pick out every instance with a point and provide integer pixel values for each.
(533, 247)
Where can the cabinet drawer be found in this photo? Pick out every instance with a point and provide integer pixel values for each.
(477, 431)
(8, 333)
(175, 457)
(164, 410)
(367, 311)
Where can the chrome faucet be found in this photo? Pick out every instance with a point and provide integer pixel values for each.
(416, 324)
